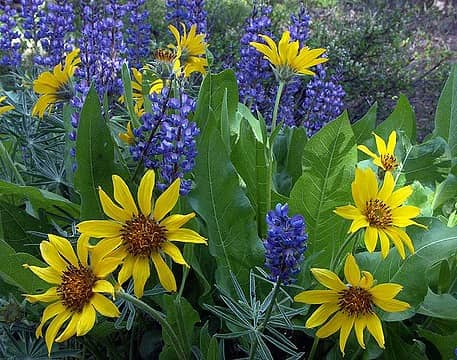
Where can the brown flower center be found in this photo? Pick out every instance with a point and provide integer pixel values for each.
(165, 56)
(143, 235)
(378, 213)
(355, 301)
(76, 287)
(389, 162)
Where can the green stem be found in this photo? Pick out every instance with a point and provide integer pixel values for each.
(264, 323)
(183, 281)
(312, 353)
(336, 259)
(276, 108)
(157, 316)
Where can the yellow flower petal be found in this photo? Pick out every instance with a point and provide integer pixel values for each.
(111, 209)
(185, 235)
(351, 270)
(123, 195)
(367, 280)
(380, 144)
(104, 248)
(321, 315)
(387, 187)
(106, 266)
(348, 212)
(317, 296)
(395, 237)
(404, 213)
(399, 196)
(103, 286)
(48, 274)
(329, 279)
(367, 151)
(173, 251)
(392, 305)
(346, 327)
(391, 143)
(49, 312)
(99, 228)
(104, 306)
(64, 248)
(332, 326)
(126, 270)
(375, 328)
(70, 329)
(145, 192)
(52, 257)
(82, 249)
(174, 222)
(358, 223)
(360, 324)
(166, 277)
(54, 328)
(385, 244)
(167, 200)
(371, 238)
(385, 291)
(49, 295)
(86, 321)
(140, 273)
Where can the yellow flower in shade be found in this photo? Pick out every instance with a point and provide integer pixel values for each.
(145, 233)
(353, 303)
(190, 50)
(78, 283)
(380, 212)
(5, 108)
(287, 57)
(385, 158)
(128, 136)
(54, 87)
(138, 91)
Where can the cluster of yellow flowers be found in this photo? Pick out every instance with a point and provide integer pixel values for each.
(131, 237)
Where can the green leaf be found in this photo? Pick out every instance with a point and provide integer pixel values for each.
(94, 157)
(128, 95)
(255, 124)
(40, 199)
(431, 247)
(226, 211)
(211, 96)
(443, 306)
(401, 344)
(428, 162)
(445, 344)
(402, 118)
(329, 160)
(225, 123)
(446, 112)
(182, 317)
(363, 128)
(445, 191)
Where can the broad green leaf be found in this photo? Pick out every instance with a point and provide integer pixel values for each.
(431, 247)
(329, 161)
(224, 125)
(226, 211)
(401, 343)
(256, 126)
(211, 96)
(442, 306)
(94, 157)
(445, 344)
(363, 127)
(402, 118)
(446, 112)
(128, 95)
(263, 177)
(447, 190)
(40, 199)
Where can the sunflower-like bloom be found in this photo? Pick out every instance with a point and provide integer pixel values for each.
(353, 302)
(5, 108)
(139, 91)
(385, 158)
(143, 233)
(287, 57)
(190, 50)
(128, 137)
(76, 296)
(381, 212)
(54, 87)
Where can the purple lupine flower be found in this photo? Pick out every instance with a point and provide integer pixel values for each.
(299, 25)
(10, 38)
(285, 244)
(165, 141)
(138, 33)
(323, 101)
(55, 25)
(253, 72)
(188, 12)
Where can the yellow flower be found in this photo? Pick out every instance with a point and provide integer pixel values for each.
(54, 86)
(145, 233)
(190, 50)
(128, 136)
(380, 211)
(287, 57)
(138, 92)
(354, 303)
(386, 158)
(5, 108)
(76, 296)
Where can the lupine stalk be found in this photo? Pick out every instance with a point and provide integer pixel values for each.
(10, 38)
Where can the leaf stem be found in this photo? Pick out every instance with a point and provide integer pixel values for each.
(336, 259)
(312, 352)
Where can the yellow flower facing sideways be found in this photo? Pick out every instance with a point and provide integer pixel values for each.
(385, 158)
(4, 108)
(53, 87)
(287, 57)
(78, 284)
(380, 212)
(143, 233)
(128, 137)
(190, 51)
(353, 302)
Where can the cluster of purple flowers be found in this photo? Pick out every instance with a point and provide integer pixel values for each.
(54, 27)
(166, 139)
(30, 16)
(253, 71)
(9, 39)
(138, 33)
(188, 12)
(285, 244)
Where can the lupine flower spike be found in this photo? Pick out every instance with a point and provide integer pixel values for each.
(353, 302)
